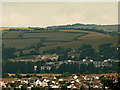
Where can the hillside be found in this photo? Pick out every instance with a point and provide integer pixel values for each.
(68, 36)
(22, 39)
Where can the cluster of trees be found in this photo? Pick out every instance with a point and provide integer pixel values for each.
(113, 33)
(28, 67)
(105, 51)
(27, 29)
(83, 69)
(37, 28)
(74, 28)
(78, 26)
(20, 67)
(57, 50)
(20, 29)
(8, 53)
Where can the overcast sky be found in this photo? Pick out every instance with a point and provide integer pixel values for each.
(23, 14)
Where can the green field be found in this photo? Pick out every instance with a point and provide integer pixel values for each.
(57, 36)
(12, 39)
(19, 43)
(64, 38)
(76, 44)
(12, 34)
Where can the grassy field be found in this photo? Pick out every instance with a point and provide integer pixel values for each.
(20, 43)
(11, 38)
(13, 34)
(64, 38)
(51, 36)
(90, 35)
(92, 38)
(76, 44)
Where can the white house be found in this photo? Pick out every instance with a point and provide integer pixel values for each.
(38, 83)
(75, 77)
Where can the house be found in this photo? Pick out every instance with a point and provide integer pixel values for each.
(60, 79)
(55, 86)
(38, 83)
(75, 77)
(52, 57)
(46, 67)
(60, 62)
(101, 63)
(50, 63)
(2, 84)
(44, 83)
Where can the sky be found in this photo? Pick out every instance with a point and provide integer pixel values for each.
(42, 14)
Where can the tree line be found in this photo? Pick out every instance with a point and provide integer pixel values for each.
(106, 51)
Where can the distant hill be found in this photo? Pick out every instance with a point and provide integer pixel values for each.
(87, 26)
(73, 26)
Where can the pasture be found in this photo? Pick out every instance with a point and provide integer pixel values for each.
(53, 36)
(12, 34)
